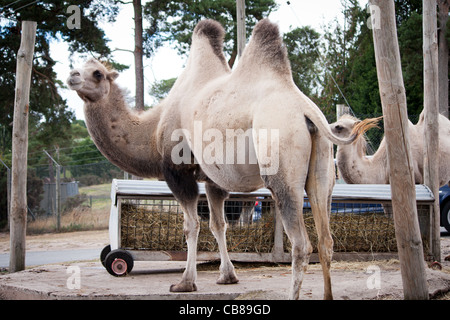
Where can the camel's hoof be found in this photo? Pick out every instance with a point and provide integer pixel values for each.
(183, 287)
(231, 279)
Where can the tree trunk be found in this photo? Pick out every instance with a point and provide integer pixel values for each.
(443, 58)
(431, 120)
(18, 221)
(138, 55)
(393, 100)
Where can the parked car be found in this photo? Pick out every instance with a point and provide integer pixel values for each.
(444, 203)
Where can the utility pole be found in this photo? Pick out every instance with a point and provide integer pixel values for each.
(393, 100)
(138, 55)
(240, 21)
(18, 219)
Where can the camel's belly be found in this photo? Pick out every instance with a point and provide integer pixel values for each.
(234, 178)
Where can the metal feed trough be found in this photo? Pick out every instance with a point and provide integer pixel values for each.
(146, 224)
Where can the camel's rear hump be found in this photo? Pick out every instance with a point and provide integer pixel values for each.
(266, 48)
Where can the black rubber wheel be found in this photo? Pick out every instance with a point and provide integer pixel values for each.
(104, 253)
(445, 216)
(119, 263)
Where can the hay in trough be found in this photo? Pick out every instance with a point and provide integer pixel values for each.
(159, 226)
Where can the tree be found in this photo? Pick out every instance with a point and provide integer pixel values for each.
(48, 111)
(161, 89)
(302, 45)
(50, 118)
(174, 21)
(340, 44)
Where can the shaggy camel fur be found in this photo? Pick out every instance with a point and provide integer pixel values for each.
(356, 168)
(178, 141)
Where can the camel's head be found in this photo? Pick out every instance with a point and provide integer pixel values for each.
(348, 125)
(344, 126)
(93, 81)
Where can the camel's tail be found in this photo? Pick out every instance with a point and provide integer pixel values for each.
(319, 120)
(365, 125)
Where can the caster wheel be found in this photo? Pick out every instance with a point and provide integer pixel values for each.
(119, 263)
(104, 253)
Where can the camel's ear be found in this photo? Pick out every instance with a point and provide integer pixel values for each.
(113, 75)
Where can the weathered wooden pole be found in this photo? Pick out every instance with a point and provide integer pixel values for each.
(18, 219)
(393, 100)
(443, 6)
(431, 119)
(240, 20)
(138, 55)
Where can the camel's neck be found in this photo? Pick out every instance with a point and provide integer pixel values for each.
(356, 168)
(124, 137)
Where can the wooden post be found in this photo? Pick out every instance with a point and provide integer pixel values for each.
(57, 191)
(138, 55)
(18, 221)
(393, 99)
(443, 6)
(341, 109)
(240, 20)
(431, 119)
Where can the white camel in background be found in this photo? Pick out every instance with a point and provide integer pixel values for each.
(356, 167)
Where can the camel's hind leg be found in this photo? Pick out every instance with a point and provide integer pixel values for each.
(319, 187)
(184, 187)
(218, 226)
(289, 202)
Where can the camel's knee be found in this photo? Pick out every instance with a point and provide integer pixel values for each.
(325, 248)
(191, 228)
(302, 249)
(217, 225)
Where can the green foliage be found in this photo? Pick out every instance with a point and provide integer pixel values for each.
(160, 89)
(50, 118)
(302, 45)
(351, 60)
(174, 21)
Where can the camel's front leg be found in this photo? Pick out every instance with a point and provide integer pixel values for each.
(191, 230)
(218, 226)
(184, 187)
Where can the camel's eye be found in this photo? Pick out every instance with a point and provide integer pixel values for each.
(98, 75)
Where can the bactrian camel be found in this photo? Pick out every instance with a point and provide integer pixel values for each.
(356, 167)
(259, 100)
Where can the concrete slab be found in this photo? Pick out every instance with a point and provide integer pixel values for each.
(151, 281)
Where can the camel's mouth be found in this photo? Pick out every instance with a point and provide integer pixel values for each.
(75, 81)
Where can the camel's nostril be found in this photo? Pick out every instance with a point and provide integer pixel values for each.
(75, 73)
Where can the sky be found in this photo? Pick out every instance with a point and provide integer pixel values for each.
(166, 63)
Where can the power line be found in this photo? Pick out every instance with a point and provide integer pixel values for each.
(25, 5)
(322, 62)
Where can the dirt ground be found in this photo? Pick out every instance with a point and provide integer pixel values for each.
(60, 241)
(350, 279)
